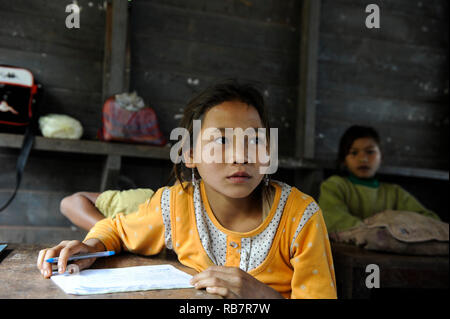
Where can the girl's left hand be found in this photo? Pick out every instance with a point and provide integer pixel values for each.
(232, 282)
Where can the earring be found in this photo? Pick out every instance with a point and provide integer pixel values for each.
(266, 180)
(193, 177)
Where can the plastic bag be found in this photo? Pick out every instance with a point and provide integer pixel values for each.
(60, 126)
(126, 119)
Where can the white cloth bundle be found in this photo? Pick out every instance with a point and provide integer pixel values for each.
(60, 126)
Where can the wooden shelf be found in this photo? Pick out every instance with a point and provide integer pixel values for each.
(87, 146)
(163, 152)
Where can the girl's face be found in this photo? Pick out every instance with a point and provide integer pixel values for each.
(364, 158)
(234, 156)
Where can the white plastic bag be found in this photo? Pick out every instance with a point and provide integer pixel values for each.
(60, 126)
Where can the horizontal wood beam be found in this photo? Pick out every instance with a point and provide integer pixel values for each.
(87, 147)
(163, 152)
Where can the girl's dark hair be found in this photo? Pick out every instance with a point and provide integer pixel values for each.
(350, 135)
(229, 90)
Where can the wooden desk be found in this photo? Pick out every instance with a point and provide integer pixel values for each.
(398, 273)
(20, 278)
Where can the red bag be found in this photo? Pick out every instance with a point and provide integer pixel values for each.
(17, 95)
(132, 126)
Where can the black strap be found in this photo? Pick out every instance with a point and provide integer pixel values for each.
(27, 144)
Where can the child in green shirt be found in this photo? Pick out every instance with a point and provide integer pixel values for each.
(347, 200)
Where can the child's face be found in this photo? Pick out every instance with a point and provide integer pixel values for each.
(364, 158)
(234, 156)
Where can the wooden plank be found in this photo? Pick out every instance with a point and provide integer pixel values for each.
(359, 79)
(115, 49)
(415, 172)
(342, 18)
(33, 208)
(43, 36)
(436, 9)
(49, 235)
(381, 55)
(56, 71)
(53, 12)
(88, 147)
(153, 20)
(48, 171)
(14, 42)
(269, 11)
(308, 77)
(162, 54)
(376, 109)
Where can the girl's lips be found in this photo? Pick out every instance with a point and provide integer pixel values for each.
(238, 179)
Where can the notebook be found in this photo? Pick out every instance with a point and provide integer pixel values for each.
(138, 278)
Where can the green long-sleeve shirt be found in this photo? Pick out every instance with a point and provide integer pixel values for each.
(346, 201)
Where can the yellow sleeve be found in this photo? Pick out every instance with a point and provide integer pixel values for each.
(112, 202)
(141, 232)
(312, 261)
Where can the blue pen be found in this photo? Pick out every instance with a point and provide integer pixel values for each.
(83, 256)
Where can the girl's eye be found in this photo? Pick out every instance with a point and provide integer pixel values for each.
(353, 153)
(221, 140)
(254, 140)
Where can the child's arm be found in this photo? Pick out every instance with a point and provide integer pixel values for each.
(312, 261)
(408, 202)
(141, 232)
(335, 210)
(80, 209)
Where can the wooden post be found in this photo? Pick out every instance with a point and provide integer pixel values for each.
(308, 78)
(307, 179)
(111, 171)
(116, 58)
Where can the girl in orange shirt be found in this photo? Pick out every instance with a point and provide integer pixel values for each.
(247, 236)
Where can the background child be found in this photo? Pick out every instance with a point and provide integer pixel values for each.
(356, 195)
(215, 220)
(84, 209)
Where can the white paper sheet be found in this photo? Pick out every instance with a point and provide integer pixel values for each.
(102, 281)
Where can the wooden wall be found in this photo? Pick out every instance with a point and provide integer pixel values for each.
(394, 78)
(68, 62)
(180, 47)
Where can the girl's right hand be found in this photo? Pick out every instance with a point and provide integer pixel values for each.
(63, 251)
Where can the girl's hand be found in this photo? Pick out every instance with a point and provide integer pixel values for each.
(232, 282)
(64, 250)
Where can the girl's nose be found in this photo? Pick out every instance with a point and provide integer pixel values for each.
(240, 152)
